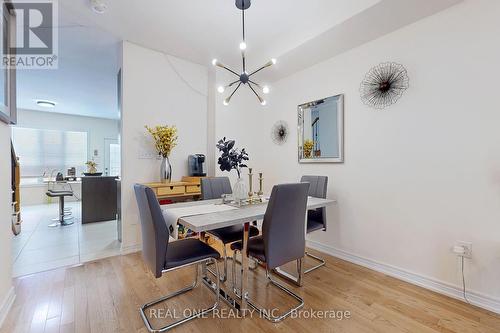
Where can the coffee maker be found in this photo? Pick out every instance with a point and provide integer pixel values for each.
(196, 164)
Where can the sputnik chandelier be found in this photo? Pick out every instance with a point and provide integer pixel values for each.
(244, 77)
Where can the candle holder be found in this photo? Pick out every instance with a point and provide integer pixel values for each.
(260, 193)
(250, 184)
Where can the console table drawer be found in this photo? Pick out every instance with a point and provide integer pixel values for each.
(193, 188)
(170, 190)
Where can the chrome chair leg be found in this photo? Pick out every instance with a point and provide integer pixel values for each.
(321, 263)
(236, 292)
(223, 275)
(179, 292)
(297, 280)
(265, 313)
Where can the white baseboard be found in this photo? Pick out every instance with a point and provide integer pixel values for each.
(7, 304)
(478, 299)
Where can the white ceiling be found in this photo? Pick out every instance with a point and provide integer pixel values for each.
(299, 33)
(85, 82)
(199, 30)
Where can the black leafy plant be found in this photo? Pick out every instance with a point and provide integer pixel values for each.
(383, 85)
(231, 157)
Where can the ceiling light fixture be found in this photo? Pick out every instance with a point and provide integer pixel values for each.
(98, 6)
(46, 104)
(244, 77)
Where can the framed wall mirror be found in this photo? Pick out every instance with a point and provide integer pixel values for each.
(321, 130)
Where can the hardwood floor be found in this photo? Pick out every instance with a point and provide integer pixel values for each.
(104, 296)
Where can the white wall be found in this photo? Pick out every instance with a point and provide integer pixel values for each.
(157, 90)
(6, 290)
(97, 129)
(418, 176)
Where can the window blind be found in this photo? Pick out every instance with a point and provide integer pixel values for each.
(43, 151)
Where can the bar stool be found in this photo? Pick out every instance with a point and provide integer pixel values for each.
(282, 240)
(162, 256)
(64, 218)
(67, 210)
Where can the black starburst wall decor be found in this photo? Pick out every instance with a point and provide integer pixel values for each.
(279, 132)
(384, 84)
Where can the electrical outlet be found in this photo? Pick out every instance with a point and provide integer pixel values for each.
(467, 247)
(146, 155)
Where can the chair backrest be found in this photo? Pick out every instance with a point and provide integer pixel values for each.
(318, 188)
(155, 233)
(283, 228)
(215, 187)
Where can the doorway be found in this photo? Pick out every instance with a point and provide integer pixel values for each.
(112, 162)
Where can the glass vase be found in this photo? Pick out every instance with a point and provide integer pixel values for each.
(165, 171)
(240, 190)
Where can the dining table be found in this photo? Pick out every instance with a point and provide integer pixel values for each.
(204, 216)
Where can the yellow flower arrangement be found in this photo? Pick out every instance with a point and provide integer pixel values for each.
(91, 166)
(165, 138)
(308, 146)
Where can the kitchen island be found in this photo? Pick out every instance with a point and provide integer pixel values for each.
(99, 198)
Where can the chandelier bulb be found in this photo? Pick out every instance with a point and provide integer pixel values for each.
(243, 46)
(265, 90)
(214, 62)
(221, 89)
(274, 61)
(226, 102)
(263, 102)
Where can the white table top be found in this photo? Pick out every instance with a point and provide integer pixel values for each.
(248, 213)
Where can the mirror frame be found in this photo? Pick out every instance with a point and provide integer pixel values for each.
(340, 122)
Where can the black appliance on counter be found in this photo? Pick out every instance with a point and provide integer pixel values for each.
(196, 165)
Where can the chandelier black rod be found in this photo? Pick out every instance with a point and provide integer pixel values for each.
(258, 85)
(230, 70)
(237, 87)
(258, 70)
(243, 20)
(243, 51)
(258, 96)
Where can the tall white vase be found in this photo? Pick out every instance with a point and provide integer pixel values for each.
(240, 190)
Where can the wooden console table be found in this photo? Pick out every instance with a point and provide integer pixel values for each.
(187, 187)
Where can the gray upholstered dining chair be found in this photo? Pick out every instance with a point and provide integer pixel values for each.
(214, 188)
(316, 218)
(162, 256)
(282, 240)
